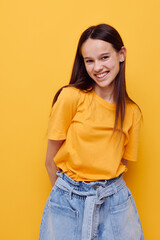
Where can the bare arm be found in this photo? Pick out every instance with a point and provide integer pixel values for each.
(52, 149)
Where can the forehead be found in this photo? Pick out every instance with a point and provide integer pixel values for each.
(93, 47)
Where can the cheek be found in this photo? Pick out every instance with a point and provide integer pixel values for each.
(88, 69)
(114, 65)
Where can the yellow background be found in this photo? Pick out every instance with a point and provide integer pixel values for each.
(37, 47)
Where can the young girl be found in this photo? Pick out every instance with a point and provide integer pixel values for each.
(93, 131)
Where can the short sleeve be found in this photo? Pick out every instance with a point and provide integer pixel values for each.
(131, 149)
(62, 113)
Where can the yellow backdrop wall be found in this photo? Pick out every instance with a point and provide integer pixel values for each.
(37, 47)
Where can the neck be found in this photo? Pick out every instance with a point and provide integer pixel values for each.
(105, 93)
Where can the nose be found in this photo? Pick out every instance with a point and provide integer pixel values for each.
(97, 66)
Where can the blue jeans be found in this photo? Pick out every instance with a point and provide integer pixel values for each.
(103, 210)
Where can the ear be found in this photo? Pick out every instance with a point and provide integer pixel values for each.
(122, 53)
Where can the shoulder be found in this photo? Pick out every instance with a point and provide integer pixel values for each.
(134, 111)
(67, 101)
(72, 94)
(69, 92)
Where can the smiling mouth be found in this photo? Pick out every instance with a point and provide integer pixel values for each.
(102, 75)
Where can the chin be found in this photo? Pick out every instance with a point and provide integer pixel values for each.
(104, 84)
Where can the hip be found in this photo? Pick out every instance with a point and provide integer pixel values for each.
(95, 210)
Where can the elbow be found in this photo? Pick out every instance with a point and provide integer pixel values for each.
(48, 164)
(124, 161)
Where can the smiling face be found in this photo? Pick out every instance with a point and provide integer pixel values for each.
(102, 62)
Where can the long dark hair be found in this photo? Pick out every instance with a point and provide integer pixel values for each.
(81, 80)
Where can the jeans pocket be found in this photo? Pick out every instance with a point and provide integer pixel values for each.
(62, 218)
(125, 220)
(59, 220)
(65, 211)
(62, 222)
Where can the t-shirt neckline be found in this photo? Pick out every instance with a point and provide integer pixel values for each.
(104, 102)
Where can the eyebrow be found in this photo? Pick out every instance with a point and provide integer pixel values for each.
(102, 54)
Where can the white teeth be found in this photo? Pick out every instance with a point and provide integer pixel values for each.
(102, 75)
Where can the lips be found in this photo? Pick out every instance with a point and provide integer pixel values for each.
(102, 75)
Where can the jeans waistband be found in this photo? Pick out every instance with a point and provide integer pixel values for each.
(98, 189)
(101, 183)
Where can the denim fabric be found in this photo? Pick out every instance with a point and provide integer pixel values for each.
(103, 210)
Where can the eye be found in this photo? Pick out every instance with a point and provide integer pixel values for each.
(89, 61)
(105, 57)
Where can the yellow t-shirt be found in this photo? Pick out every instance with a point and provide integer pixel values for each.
(91, 151)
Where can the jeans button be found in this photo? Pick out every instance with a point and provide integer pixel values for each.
(95, 187)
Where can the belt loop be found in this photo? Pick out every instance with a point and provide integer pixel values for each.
(114, 187)
(70, 193)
